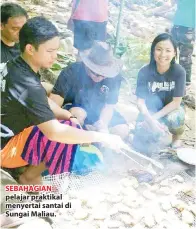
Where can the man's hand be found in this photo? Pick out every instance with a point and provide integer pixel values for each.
(75, 120)
(101, 127)
(114, 142)
(98, 126)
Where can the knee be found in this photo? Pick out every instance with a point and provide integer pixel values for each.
(177, 130)
(80, 113)
(176, 121)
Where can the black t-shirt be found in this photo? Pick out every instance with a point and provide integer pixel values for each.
(159, 89)
(23, 100)
(9, 53)
(75, 86)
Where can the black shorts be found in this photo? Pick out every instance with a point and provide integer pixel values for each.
(117, 118)
(85, 32)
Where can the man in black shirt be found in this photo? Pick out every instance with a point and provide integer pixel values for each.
(13, 17)
(24, 100)
(92, 86)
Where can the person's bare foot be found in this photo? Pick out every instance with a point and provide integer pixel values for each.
(35, 181)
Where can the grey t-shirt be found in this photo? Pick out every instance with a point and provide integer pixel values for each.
(159, 89)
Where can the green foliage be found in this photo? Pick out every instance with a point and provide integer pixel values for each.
(122, 46)
(56, 67)
(50, 75)
(63, 61)
(134, 52)
(137, 55)
(38, 2)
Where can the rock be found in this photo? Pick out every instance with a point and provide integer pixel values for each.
(116, 3)
(62, 5)
(110, 28)
(49, 76)
(38, 2)
(35, 223)
(59, 18)
(187, 217)
(67, 45)
(189, 100)
(6, 179)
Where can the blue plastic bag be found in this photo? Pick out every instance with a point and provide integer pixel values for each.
(86, 159)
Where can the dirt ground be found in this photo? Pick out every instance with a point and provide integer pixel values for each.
(188, 137)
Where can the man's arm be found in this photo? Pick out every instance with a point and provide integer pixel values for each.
(57, 99)
(48, 87)
(56, 131)
(105, 117)
(58, 111)
(62, 114)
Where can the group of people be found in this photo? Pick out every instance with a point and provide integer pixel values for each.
(44, 131)
(35, 130)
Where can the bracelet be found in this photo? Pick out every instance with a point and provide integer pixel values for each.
(72, 117)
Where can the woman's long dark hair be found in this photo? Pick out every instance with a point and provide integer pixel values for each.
(159, 38)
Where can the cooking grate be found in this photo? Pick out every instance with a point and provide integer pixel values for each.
(98, 180)
(115, 168)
